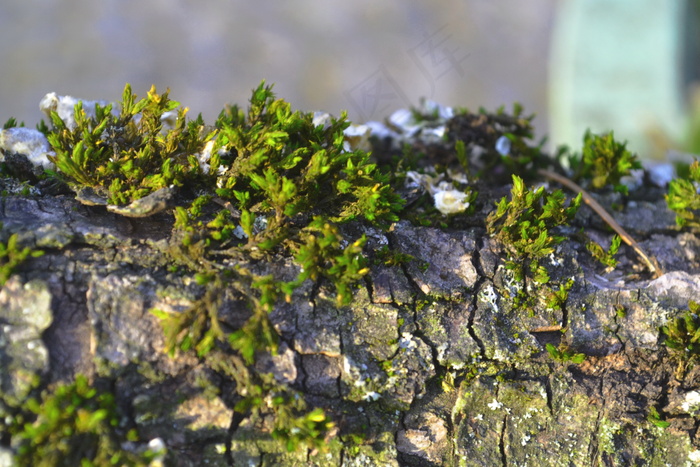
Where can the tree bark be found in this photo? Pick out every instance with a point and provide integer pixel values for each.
(432, 364)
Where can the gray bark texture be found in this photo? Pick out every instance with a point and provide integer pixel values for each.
(430, 365)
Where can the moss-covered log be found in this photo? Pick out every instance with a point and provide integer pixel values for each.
(334, 337)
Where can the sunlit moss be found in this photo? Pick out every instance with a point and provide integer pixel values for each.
(11, 256)
(74, 424)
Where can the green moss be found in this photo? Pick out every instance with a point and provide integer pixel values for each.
(261, 182)
(564, 354)
(682, 338)
(524, 225)
(485, 129)
(74, 424)
(388, 257)
(683, 197)
(605, 257)
(127, 156)
(283, 163)
(604, 161)
(267, 182)
(284, 184)
(655, 419)
(11, 256)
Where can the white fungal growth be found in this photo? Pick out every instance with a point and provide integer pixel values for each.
(322, 119)
(381, 131)
(495, 405)
(503, 146)
(694, 456)
(661, 174)
(458, 177)
(204, 158)
(406, 341)
(692, 402)
(64, 106)
(239, 233)
(488, 295)
(169, 119)
(30, 143)
(431, 107)
(357, 138)
(524, 440)
(448, 199)
(403, 120)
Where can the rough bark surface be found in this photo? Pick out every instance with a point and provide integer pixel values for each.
(430, 365)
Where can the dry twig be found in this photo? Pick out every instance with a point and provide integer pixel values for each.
(650, 262)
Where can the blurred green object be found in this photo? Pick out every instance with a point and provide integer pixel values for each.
(626, 65)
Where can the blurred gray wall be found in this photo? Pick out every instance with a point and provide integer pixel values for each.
(367, 57)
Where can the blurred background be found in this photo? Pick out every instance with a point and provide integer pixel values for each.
(626, 65)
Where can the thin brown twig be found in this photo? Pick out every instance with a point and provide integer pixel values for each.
(651, 263)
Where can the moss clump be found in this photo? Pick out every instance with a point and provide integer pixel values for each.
(564, 354)
(11, 256)
(524, 226)
(74, 424)
(504, 140)
(683, 197)
(682, 337)
(257, 180)
(604, 161)
(127, 156)
(606, 258)
(280, 161)
(268, 180)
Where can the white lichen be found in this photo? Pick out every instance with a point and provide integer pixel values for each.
(524, 440)
(459, 177)
(64, 106)
(447, 199)
(554, 260)
(30, 143)
(500, 355)
(442, 350)
(357, 138)
(407, 342)
(204, 158)
(239, 233)
(322, 119)
(450, 201)
(404, 121)
(660, 173)
(427, 123)
(488, 295)
(495, 405)
(443, 112)
(503, 146)
(691, 404)
(169, 119)
(694, 456)
(159, 451)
